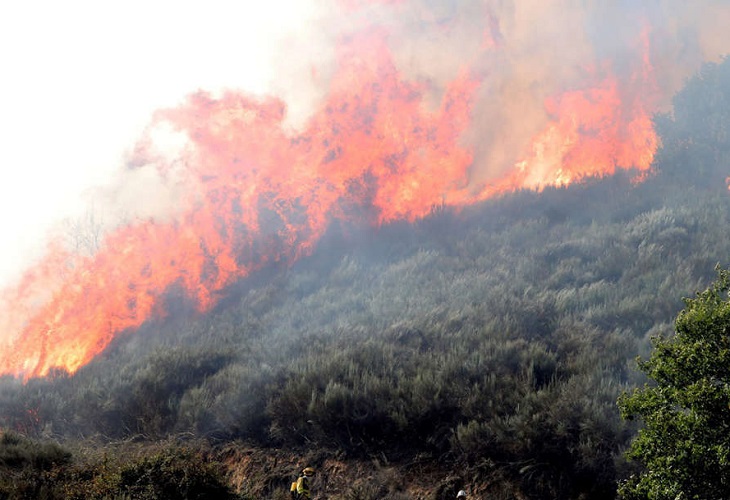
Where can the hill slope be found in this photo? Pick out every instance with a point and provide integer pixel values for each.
(484, 348)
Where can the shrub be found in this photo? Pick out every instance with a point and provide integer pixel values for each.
(18, 452)
(25, 467)
(173, 474)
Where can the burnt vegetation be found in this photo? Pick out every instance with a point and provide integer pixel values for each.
(490, 345)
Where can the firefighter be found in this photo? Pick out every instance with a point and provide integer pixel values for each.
(303, 492)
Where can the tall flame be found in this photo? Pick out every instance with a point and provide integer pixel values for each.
(593, 131)
(258, 192)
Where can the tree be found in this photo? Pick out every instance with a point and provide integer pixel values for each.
(684, 444)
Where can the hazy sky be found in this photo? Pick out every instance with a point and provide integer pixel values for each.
(80, 79)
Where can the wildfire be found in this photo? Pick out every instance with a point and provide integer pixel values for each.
(592, 133)
(257, 192)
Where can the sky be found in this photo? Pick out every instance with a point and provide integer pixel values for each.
(80, 82)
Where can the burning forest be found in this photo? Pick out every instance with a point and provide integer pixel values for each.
(422, 104)
(423, 261)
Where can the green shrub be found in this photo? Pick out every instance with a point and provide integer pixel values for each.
(26, 467)
(171, 475)
(17, 452)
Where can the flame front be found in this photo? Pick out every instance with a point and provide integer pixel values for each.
(257, 192)
(595, 130)
(592, 132)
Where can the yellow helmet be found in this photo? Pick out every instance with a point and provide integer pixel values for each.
(308, 471)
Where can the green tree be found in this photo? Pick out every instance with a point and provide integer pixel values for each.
(684, 444)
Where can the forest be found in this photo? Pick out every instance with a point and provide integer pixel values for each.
(484, 348)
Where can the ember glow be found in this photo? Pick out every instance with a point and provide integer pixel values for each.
(251, 189)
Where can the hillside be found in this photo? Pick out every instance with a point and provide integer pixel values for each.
(483, 348)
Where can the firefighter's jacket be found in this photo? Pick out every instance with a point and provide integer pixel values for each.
(303, 487)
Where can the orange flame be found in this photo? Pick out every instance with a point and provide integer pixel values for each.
(259, 193)
(594, 131)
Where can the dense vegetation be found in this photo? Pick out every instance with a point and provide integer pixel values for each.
(493, 342)
(684, 442)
